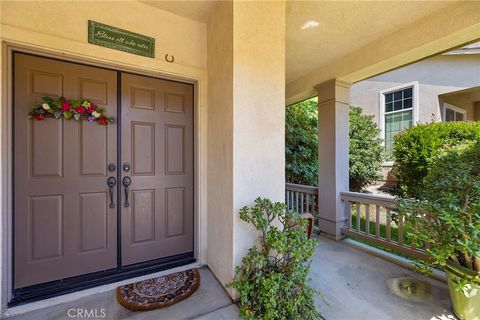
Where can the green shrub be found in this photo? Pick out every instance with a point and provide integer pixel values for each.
(301, 156)
(273, 279)
(447, 212)
(366, 150)
(301, 144)
(414, 148)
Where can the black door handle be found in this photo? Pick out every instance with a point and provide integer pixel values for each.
(126, 181)
(111, 183)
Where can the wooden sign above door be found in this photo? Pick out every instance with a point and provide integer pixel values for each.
(119, 39)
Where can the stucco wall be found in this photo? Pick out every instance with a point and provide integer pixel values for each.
(259, 110)
(220, 136)
(60, 28)
(246, 62)
(435, 76)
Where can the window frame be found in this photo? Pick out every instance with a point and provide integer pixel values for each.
(455, 109)
(382, 113)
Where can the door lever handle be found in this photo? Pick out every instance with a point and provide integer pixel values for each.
(111, 183)
(126, 181)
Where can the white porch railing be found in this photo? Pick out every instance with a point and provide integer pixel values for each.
(370, 220)
(301, 198)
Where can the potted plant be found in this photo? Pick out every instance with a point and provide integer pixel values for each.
(273, 279)
(446, 217)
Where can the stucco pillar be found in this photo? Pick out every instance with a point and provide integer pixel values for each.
(246, 123)
(333, 107)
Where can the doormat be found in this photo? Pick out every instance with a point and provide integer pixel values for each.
(159, 292)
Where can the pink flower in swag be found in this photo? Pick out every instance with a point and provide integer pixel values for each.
(80, 110)
(91, 118)
(91, 108)
(65, 105)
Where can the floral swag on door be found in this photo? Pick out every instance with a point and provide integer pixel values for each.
(69, 109)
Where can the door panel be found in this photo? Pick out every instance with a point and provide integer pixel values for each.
(157, 140)
(63, 226)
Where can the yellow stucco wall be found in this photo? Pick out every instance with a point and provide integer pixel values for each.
(60, 28)
(246, 60)
(63, 25)
(259, 111)
(220, 136)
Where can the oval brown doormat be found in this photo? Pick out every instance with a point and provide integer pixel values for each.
(159, 292)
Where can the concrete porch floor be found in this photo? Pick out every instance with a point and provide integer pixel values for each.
(354, 285)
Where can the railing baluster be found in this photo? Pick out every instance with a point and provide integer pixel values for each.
(367, 219)
(384, 209)
(388, 226)
(296, 201)
(400, 229)
(349, 214)
(301, 203)
(358, 205)
(290, 201)
(308, 204)
(286, 198)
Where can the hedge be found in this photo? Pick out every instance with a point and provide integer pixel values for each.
(415, 147)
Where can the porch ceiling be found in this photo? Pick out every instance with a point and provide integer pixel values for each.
(353, 40)
(463, 98)
(343, 27)
(198, 10)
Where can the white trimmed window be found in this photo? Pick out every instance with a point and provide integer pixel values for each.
(453, 113)
(398, 111)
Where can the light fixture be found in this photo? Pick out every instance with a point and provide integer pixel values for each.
(310, 24)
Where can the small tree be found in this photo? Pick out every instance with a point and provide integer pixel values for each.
(366, 150)
(301, 157)
(273, 279)
(446, 214)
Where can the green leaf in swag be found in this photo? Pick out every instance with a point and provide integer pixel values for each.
(47, 100)
(67, 114)
(56, 103)
(57, 114)
(74, 103)
(76, 116)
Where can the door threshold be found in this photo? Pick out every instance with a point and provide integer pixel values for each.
(91, 280)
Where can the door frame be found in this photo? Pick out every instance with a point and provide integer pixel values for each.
(6, 129)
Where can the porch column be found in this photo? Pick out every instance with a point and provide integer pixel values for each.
(333, 167)
(246, 123)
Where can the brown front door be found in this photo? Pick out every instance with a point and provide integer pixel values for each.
(63, 224)
(157, 160)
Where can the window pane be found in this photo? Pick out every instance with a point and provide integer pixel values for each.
(449, 115)
(397, 95)
(407, 93)
(407, 103)
(397, 105)
(395, 123)
(407, 116)
(389, 107)
(389, 97)
(459, 116)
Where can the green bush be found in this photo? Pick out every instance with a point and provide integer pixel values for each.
(447, 212)
(366, 150)
(415, 147)
(301, 155)
(273, 279)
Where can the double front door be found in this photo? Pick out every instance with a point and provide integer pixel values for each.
(90, 197)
